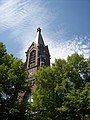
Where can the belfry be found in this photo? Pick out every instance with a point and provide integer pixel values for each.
(37, 55)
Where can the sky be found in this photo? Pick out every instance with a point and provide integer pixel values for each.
(65, 26)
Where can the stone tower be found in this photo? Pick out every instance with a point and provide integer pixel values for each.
(37, 55)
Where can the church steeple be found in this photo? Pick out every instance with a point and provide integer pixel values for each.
(37, 54)
(39, 39)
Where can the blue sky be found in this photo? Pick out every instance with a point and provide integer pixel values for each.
(65, 26)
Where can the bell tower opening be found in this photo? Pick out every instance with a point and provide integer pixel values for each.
(32, 58)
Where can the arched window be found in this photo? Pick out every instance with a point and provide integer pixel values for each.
(33, 57)
(28, 97)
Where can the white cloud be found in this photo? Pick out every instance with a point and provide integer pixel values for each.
(19, 15)
(62, 50)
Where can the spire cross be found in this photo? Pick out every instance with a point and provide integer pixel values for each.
(39, 29)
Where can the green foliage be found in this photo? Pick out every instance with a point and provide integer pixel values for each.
(62, 91)
(12, 82)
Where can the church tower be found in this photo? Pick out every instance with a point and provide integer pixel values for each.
(37, 55)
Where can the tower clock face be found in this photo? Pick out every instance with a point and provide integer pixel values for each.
(30, 73)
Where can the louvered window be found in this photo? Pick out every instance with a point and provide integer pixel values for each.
(33, 57)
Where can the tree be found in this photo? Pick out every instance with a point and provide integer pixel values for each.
(62, 91)
(12, 83)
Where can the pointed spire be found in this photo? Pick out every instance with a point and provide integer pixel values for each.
(39, 39)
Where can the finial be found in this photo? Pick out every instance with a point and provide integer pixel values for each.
(39, 29)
